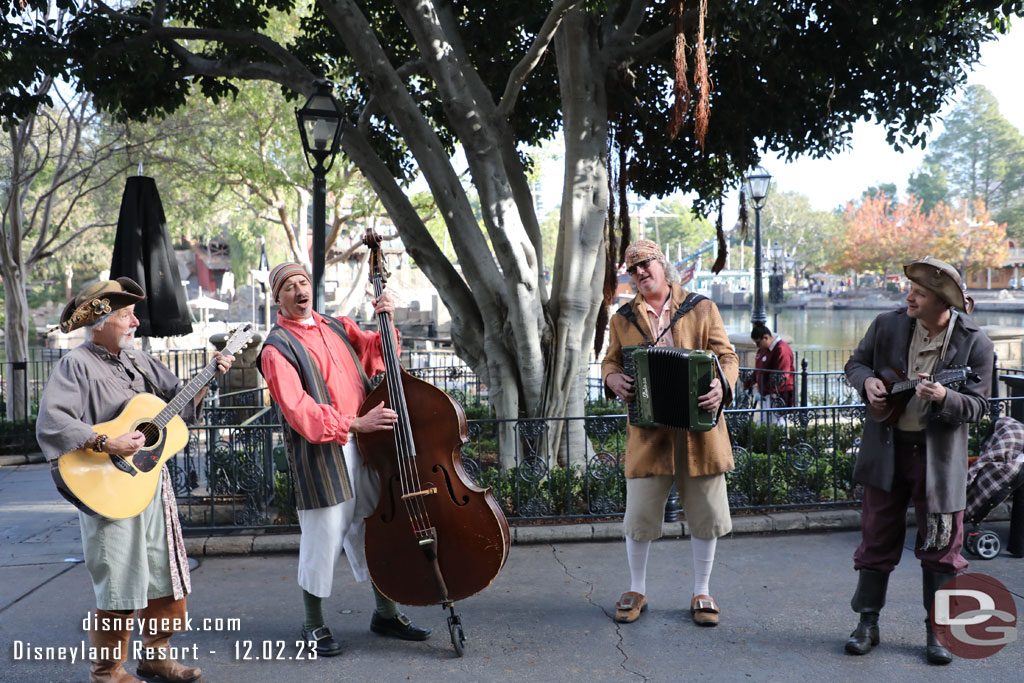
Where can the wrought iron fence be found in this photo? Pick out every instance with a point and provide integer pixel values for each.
(234, 475)
(31, 375)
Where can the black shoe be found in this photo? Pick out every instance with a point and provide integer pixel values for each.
(865, 636)
(398, 626)
(326, 645)
(935, 652)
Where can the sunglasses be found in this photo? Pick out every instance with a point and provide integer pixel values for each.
(645, 264)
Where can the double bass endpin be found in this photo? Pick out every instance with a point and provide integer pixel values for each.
(425, 492)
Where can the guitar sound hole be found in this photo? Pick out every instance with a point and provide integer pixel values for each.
(151, 432)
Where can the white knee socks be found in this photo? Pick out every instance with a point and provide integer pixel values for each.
(636, 554)
(703, 560)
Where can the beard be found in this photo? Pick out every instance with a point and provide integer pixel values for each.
(127, 341)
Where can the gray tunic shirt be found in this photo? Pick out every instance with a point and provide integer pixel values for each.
(130, 560)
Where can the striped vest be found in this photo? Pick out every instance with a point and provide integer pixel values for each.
(318, 469)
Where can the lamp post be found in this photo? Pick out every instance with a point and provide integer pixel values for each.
(758, 182)
(775, 285)
(320, 125)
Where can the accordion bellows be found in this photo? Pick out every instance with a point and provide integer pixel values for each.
(667, 381)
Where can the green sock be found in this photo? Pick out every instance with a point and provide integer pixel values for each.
(386, 607)
(314, 615)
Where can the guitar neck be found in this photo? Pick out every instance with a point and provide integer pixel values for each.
(187, 393)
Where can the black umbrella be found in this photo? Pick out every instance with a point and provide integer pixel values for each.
(142, 251)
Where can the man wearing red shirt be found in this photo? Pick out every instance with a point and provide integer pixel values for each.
(316, 369)
(773, 354)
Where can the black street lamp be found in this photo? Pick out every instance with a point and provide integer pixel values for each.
(320, 125)
(758, 183)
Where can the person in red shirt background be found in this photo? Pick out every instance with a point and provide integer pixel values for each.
(773, 354)
(316, 369)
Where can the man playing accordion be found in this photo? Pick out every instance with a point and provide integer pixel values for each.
(664, 314)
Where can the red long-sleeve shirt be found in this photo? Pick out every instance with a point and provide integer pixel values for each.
(322, 423)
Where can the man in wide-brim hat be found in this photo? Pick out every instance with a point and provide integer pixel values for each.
(137, 563)
(917, 454)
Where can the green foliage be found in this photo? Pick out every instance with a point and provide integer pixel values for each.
(676, 225)
(806, 235)
(563, 491)
(981, 156)
(891, 61)
(930, 185)
(284, 499)
(17, 438)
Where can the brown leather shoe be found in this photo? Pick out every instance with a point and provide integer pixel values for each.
(629, 607)
(110, 637)
(156, 663)
(704, 610)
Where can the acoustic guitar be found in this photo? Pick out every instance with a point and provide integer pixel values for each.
(900, 389)
(111, 486)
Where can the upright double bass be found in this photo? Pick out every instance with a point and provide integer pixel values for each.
(435, 536)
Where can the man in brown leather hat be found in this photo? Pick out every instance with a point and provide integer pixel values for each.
(137, 563)
(917, 454)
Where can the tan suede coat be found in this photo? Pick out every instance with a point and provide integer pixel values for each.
(650, 451)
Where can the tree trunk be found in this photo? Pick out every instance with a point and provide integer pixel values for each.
(579, 266)
(16, 331)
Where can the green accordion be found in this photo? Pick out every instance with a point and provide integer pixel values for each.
(667, 381)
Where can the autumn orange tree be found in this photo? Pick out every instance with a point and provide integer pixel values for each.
(879, 236)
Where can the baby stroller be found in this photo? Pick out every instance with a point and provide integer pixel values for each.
(991, 479)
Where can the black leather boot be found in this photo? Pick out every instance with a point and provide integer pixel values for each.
(868, 601)
(932, 581)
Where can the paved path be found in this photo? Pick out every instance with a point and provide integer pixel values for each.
(785, 600)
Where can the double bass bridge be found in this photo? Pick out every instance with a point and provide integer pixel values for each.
(416, 494)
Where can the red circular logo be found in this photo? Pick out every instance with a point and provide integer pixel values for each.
(974, 616)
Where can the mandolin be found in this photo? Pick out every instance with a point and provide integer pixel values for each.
(900, 389)
(111, 486)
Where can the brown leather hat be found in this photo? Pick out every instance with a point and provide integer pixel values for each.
(99, 299)
(941, 278)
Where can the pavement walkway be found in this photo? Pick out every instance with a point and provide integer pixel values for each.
(547, 617)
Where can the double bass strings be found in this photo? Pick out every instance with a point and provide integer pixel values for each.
(405, 448)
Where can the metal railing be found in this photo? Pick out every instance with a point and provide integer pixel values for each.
(233, 476)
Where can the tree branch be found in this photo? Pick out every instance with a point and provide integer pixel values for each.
(529, 62)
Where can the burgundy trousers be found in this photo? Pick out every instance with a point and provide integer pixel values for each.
(883, 520)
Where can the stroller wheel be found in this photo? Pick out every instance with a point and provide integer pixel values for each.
(987, 545)
(971, 542)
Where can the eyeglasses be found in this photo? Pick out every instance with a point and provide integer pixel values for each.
(643, 264)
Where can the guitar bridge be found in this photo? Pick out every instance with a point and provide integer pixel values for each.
(122, 464)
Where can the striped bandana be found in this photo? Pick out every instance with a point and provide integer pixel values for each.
(282, 272)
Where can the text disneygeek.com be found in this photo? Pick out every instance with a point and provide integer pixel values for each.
(240, 650)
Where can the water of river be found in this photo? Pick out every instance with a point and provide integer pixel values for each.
(813, 329)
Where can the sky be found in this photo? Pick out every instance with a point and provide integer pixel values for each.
(870, 161)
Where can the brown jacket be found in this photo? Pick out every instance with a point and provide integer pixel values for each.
(649, 451)
(886, 344)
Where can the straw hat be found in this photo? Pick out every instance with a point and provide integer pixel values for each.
(99, 299)
(941, 278)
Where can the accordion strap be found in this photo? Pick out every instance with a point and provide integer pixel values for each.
(691, 300)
